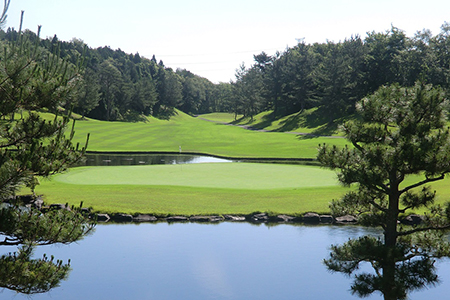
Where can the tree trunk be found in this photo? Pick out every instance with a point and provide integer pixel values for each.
(389, 288)
(390, 241)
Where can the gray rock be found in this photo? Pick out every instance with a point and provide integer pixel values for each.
(413, 219)
(348, 219)
(103, 217)
(234, 218)
(122, 218)
(177, 219)
(38, 203)
(215, 219)
(311, 218)
(85, 210)
(326, 219)
(59, 206)
(285, 218)
(259, 218)
(205, 219)
(144, 218)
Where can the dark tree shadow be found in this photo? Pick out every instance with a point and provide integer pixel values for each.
(318, 119)
(266, 121)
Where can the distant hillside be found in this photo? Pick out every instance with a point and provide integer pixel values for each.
(308, 87)
(117, 86)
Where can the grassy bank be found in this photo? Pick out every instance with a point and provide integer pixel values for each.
(195, 189)
(310, 121)
(196, 135)
(221, 188)
(203, 189)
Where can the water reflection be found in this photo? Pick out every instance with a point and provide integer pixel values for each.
(396, 271)
(22, 274)
(147, 159)
(232, 261)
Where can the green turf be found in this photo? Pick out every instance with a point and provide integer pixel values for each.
(221, 188)
(209, 175)
(309, 121)
(205, 188)
(196, 135)
(220, 117)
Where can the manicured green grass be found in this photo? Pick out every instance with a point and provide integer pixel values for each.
(205, 188)
(195, 135)
(195, 189)
(220, 117)
(221, 188)
(209, 175)
(309, 121)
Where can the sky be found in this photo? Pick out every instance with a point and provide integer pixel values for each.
(213, 38)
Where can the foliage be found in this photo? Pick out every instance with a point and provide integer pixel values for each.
(19, 272)
(22, 227)
(334, 76)
(32, 79)
(401, 132)
(329, 76)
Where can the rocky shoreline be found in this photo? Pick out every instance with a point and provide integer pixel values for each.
(257, 217)
(307, 218)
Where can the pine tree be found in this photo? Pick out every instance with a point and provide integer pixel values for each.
(31, 147)
(400, 135)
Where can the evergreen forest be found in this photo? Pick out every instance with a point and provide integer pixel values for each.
(331, 77)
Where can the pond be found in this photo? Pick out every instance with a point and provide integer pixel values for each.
(209, 261)
(102, 159)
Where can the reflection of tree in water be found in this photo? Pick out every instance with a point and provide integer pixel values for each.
(401, 132)
(28, 228)
(20, 273)
(397, 271)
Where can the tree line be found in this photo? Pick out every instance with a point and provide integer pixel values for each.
(334, 76)
(329, 76)
(116, 86)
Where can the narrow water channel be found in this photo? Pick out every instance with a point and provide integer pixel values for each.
(102, 159)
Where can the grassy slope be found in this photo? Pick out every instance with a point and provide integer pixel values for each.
(195, 135)
(309, 121)
(200, 192)
(224, 194)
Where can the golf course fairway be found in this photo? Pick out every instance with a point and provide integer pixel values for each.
(207, 188)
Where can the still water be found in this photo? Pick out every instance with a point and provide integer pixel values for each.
(102, 159)
(202, 261)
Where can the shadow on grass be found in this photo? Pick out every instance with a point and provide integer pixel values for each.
(310, 119)
(265, 121)
(323, 124)
(318, 120)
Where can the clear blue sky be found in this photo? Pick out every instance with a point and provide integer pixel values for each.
(212, 38)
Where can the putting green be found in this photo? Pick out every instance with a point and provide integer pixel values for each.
(250, 176)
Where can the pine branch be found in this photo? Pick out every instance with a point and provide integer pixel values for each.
(420, 183)
(408, 232)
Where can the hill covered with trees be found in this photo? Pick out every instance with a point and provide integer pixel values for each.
(331, 76)
(116, 86)
(334, 76)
